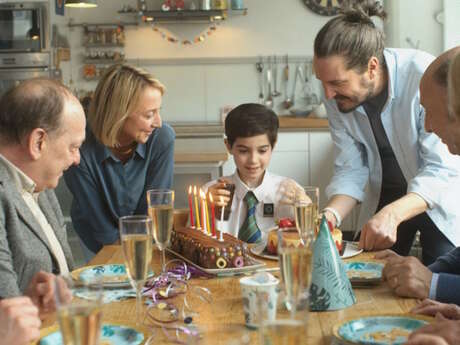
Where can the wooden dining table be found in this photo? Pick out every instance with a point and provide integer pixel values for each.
(222, 320)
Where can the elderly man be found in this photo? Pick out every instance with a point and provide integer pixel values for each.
(42, 126)
(406, 275)
(376, 122)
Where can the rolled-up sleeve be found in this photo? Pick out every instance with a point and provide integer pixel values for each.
(437, 177)
(351, 172)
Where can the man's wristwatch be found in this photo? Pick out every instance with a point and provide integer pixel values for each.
(338, 218)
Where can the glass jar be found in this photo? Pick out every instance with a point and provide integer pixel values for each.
(219, 4)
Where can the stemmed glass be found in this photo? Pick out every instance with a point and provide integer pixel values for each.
(80, 318)
(160, 204)
(306, 202)
(136, 242)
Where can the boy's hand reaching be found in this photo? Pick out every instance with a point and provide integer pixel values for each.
(220, 195)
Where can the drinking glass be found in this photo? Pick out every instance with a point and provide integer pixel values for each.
(160, 203)
(80, 317)
(306, 202)
(296, 268)
(136, 242)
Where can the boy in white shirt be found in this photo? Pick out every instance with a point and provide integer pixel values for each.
(251, 132)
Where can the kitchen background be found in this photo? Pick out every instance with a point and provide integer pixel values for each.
(222, 70)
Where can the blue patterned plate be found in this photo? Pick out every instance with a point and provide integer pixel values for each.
(112, 275)
(110, 334)
(379, 330)
(364, 272)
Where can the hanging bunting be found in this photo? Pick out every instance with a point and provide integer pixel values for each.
(198, 39)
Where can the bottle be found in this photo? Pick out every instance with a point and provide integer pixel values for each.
(206, 5)
(219, 4)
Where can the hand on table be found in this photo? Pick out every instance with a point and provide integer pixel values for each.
(425, 339)
(380, 231)
(19, 321)
(41, 291)
(431, 308)
(219, 192)
(407, 276)
(447, 330)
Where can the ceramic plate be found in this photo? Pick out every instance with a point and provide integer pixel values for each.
(111, 334)
(364, 272)
(379, 330)
(112, 275)
(351, 249)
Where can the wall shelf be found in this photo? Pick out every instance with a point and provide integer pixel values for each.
(187, 16)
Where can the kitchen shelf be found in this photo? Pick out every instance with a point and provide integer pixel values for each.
(103, 61)
(103, 45)
(188, 16)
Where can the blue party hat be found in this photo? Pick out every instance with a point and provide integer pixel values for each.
(330, 287)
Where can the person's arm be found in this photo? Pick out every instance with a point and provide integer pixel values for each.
(447, 288)
(160, 172)
(90, 213)
(449, 263)
(338, 207)
(351, 172)
(9, 286)
(381, 230)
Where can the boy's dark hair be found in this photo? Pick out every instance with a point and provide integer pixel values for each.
(353, 35)
(251, 119)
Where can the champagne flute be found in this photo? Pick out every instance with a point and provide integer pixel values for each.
(80, 319)
(136, 242)
(306, 212)
(161, 209)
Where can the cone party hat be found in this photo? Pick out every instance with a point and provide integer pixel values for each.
(330, 287)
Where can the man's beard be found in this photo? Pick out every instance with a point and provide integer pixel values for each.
(356, 100)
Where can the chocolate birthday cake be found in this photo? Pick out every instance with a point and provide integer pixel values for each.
(209, 252)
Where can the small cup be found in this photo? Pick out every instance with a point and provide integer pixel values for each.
(260, 296)
(237, 4)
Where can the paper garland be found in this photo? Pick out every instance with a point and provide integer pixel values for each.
(198, 39)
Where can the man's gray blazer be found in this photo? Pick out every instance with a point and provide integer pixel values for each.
(24, 248)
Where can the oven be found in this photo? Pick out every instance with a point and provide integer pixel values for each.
(15, 68)
(24, 27)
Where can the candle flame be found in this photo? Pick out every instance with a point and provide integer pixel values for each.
(190, 189)
(210, 197)
(202, 195)
(194, 190)
(222, 200)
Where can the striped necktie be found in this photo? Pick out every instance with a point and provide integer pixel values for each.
(249, 231)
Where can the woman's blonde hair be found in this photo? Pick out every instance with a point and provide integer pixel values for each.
(116, 97)
(454, 86)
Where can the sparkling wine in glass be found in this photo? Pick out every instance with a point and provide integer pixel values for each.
(161, 209)
(136, 242)
(79, 319)
(306, 212)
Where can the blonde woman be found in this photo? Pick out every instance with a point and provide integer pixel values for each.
(127, 151)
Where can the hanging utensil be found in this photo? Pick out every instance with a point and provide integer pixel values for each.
(269, 100)
(260, 69)
(275, 93)
(297, 75)
(287, 101)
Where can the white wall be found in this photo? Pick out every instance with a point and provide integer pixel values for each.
(414, 20)
(201, 78)
(451, 17)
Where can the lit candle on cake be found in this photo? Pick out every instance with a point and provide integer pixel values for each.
(198, 226)
(203, 210)
(221, 237)
(190, 206)
(213, 217)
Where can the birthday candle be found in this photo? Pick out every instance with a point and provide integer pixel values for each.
(198, 226)
(213, 216)
(207, 215)
(190, 206)
(203, 210)
(221, 237)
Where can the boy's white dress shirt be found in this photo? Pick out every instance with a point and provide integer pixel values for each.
(270, 191)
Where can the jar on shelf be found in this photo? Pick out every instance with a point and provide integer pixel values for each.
(219, 4)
